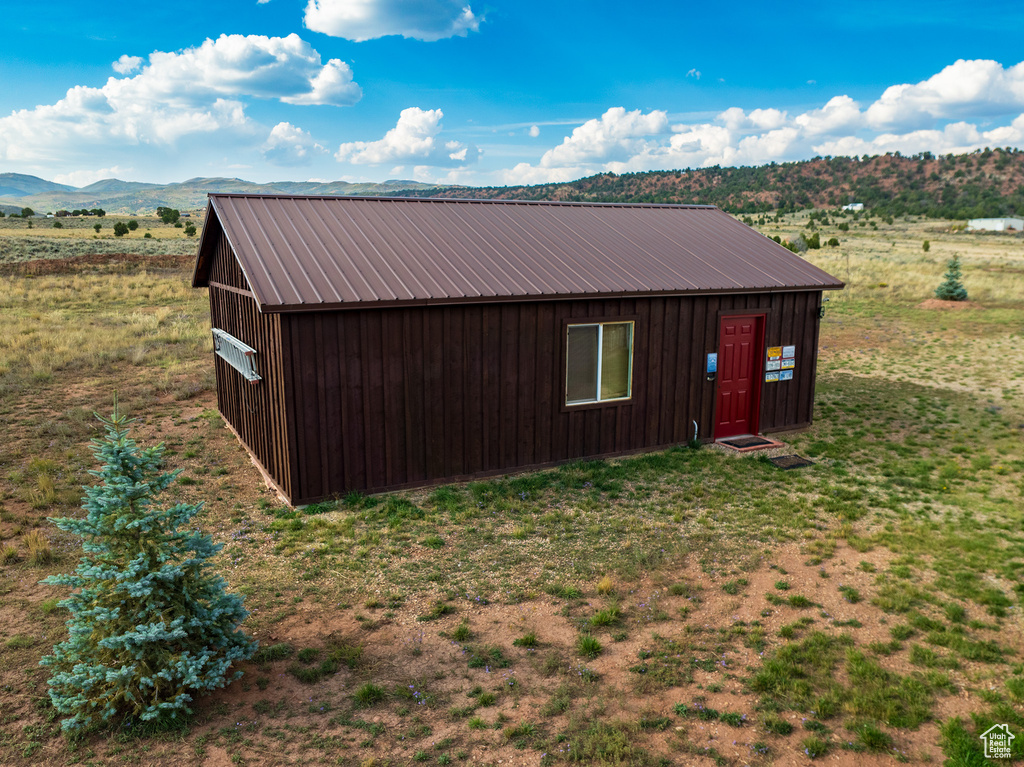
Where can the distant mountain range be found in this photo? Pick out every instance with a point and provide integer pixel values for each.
(19, 191)
(976, 185)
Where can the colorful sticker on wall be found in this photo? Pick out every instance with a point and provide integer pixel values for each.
(772, 365)
(774, 352)
(788, 351)
(788, 364)
(713, 362)
(786, 375)
(771, 377)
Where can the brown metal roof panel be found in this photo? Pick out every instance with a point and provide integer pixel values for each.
(755, 262)
(322, 242)
(602, 255)
(664, 259)
(240, 229)
(590, 258)
(443, 251)
(356, 252)
(460, 273)
(329, 251)
(518, 270)
(743, 255)
(529, 254)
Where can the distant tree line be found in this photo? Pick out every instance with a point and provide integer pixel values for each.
(81, 212)
(985, 183)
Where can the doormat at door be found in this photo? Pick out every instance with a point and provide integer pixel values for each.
(790, 461)
(746, 443)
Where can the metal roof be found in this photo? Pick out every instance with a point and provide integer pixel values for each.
(308, 253)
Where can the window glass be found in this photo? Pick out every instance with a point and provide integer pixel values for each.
(599, 363)
(581, 366)
(615, 354)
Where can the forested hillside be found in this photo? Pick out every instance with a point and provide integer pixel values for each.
(983, 183)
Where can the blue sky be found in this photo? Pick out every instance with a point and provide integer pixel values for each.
(495, 92)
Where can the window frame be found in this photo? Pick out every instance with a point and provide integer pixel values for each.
(568, 322)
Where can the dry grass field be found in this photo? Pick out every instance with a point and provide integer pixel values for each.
(685, 607)
(45, 238)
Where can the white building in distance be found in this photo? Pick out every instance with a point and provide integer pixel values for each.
(854, 206)
(995, 225)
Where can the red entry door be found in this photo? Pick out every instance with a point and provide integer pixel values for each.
(739, 375)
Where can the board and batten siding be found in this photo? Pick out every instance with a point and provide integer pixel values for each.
(254, 410)
(378, 399)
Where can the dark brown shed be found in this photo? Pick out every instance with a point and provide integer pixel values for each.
(374, 343)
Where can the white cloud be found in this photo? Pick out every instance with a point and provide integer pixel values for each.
(412, 140)
(534, 131)
(332, 85)
(85, 177)
(694, 73)
(617, 135)
(1007, 135)
(289, 145)
(127, 64)
(193, 91)
(957, 138)
(840, 114)
(284, 68)
(923, 115)
(964, 89)
(526, 174)
(735, 119)
(361, 20)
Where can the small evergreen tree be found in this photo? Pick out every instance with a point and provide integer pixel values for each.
(952, 287)
(150, 624)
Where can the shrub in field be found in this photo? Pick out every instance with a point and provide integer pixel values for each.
(120, 229)
(151, 626)
(952, 287)
(39, 552)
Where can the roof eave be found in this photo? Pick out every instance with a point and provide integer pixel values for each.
(202, 253)
(477, 300)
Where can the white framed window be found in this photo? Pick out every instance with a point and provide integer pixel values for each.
(598, 362)
(237, 354)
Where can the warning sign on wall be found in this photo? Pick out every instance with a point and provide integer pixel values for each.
(771, 377)
(786, 375)
(774, 352)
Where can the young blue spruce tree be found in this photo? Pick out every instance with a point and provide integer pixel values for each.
(151, 626)
(952, 287)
